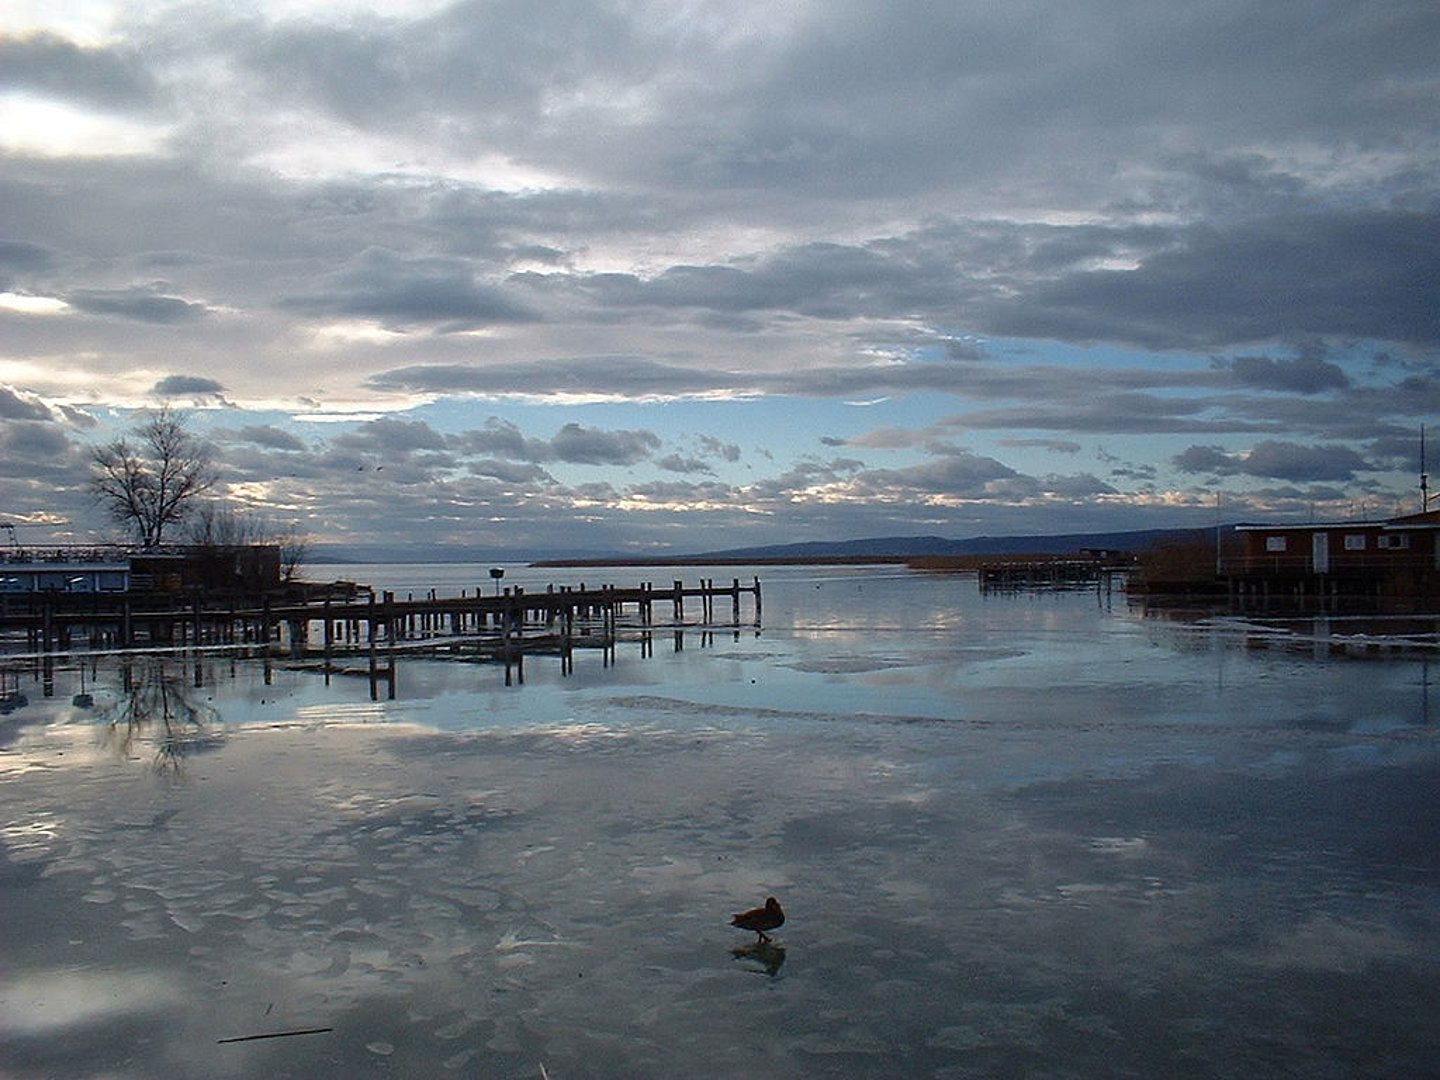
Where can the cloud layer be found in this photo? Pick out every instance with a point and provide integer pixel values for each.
(679, 275)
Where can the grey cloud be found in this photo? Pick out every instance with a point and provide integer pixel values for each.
(270, 437)
(474, 65)
(1289, 461)
(680, 464)
(889, 438)
(818, 280)
(45, 467)
(14, 406)
(631, 376)
(717, 449)
(1020, 90)
(953, 472)
(638, 377)
(824, 104)
(388, 437)
(77, 418)
(19, 258)
(1077, 486)
(1335, 273)
(1306, 374)
(187, 385)
(54, 66)
(591, 446)
(509, 472)
(1136, 473)
(1402, 451)
(965, 351)
(957, 472)
(1209, 459)
(1127, 470)
(503, 438)
(1059, 446)
(1130, 413)
(1274, 459)
(599, 490)
(802, 474)
(1318, 273)
(573, 444)
(142, 303)
(405, 292)
(684, 491)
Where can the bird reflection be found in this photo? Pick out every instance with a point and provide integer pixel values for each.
(761, 956)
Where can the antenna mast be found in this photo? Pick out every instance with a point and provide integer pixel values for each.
(1424, 477)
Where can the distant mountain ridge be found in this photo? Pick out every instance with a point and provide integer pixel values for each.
(880, 547)
(912, 546)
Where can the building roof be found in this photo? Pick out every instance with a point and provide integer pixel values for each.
(1428, 520)
(1311, 526)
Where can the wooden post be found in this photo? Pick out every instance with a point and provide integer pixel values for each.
(567, 645)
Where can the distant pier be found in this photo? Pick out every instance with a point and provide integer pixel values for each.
(1048, 574)
(1017, 573)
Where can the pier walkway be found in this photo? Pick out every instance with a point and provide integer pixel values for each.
(356, 618)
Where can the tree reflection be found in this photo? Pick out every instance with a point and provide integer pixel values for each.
(158, 705)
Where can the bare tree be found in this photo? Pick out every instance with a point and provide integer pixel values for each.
(151, 484)
(294, 548)
(216, 523)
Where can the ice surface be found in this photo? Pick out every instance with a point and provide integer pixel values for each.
(1013, 836)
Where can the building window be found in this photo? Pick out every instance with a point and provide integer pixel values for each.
(1354, 541)
(1274, 543)
(1395, 541)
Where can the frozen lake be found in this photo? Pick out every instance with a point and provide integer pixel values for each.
(1024, 835)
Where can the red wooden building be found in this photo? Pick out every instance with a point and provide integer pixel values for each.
(1396, 557)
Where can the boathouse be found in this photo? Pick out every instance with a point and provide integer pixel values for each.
(244, 570)
(1393, 557)
(62, 570)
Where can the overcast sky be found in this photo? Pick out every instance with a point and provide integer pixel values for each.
(680, 275)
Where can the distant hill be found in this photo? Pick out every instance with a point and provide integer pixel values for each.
(910, 546)
(893, 548)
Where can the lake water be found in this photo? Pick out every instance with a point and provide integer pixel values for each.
(1015, 835)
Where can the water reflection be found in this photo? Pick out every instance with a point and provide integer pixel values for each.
(1111, 847)
(158, 706)
(11, 696)
(764, 957)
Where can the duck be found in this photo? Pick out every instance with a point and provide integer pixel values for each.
(761, 919)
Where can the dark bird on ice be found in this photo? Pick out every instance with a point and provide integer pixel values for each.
(761, 919)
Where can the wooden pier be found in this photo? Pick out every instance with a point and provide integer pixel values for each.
(359, 619)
